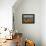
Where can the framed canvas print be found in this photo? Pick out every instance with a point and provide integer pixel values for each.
(28, 18)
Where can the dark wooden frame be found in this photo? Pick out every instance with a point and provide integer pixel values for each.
(27, 18)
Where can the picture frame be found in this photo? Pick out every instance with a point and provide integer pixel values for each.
(28, 18)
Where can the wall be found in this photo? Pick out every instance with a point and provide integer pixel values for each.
(43, 22)
(6, 13)
(30, 31)
(6, 18)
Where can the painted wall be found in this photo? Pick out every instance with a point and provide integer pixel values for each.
(30, 31)
(43, 22)
(6, 13)
(6, 18)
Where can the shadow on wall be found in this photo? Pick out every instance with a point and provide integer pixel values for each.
(28, 7)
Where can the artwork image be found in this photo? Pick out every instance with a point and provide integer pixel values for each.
(28, 18)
